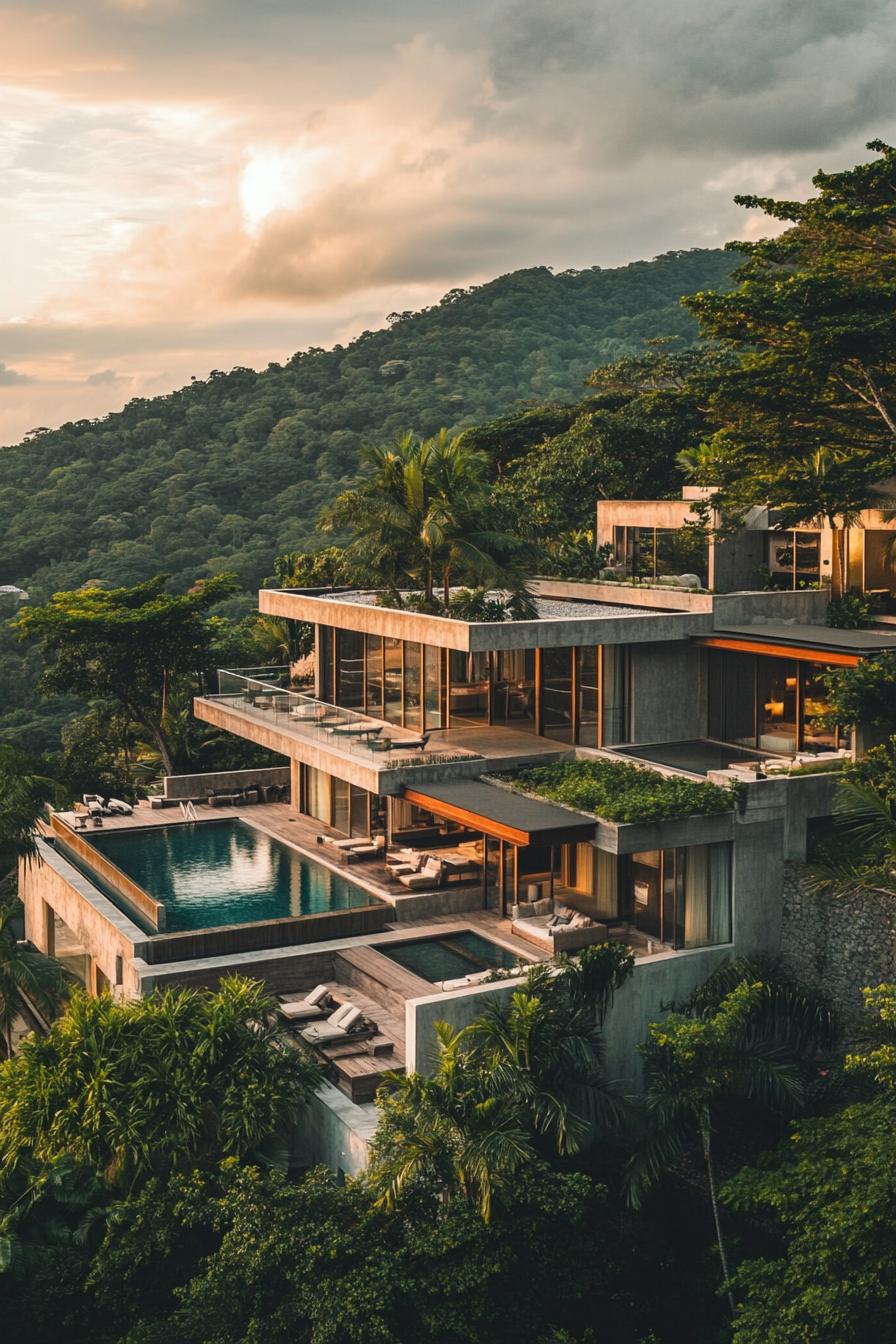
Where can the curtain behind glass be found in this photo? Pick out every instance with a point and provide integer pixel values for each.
(720, 886)
(696, 897)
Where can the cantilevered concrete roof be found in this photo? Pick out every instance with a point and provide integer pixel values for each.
(560, 622)
(501, 813)
(813, 643)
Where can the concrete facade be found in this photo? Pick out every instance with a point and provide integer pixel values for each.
(111, 940)
(178, 787)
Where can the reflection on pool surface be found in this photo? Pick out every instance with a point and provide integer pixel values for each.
(226, 872)
(698, 755)
(450, 957)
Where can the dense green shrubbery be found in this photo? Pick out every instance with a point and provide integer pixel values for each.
(616, 791)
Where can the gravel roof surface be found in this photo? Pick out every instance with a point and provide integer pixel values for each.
(549, 608)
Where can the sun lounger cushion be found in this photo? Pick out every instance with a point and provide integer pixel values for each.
(310, 1006)
(339, 1024)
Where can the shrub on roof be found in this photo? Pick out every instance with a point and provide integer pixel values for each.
(615, 791)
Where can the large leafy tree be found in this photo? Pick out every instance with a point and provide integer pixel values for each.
(805, 408)
(830, 1190)
(624, 441)
(245, 1255)
(126, 645)
(739, 1036)
(181, 1078)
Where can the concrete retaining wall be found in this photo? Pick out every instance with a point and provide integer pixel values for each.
(333, 1131)
(177, 787)
(110, 938)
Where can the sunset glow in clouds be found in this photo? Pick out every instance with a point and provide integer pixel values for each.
(190, 184)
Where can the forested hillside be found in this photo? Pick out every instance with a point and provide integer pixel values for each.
(230, 471)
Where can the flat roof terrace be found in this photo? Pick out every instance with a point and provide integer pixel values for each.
(561, 621)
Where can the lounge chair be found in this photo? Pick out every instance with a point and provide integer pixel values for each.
(119, 808)
(430, 875)
(411, 743)
(313, 1005)
(337, 1026)
(404, 862)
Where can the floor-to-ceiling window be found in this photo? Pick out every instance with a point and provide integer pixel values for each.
(392, 680)
(513, 701)
(433, 687)
(613, 694)
(411, 686)
(649, 553)
(557, 694)
(794, 559)
(777, 705)
(682, 896)
(335, 802)
(770, 704)
(469, 686)
(373, 655)
(571, 694)
(350, 669)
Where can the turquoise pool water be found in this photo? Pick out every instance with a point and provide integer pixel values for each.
(450, 957)
(226, 872)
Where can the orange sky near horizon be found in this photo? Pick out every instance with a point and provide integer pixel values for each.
(194, 184)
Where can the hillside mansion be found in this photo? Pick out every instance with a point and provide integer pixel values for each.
(401, 854)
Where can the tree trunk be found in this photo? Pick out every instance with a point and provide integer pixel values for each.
(838, 567)
(164, 751)
(714, 1200)
(446, 585)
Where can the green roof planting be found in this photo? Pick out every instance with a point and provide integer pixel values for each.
(615, 791)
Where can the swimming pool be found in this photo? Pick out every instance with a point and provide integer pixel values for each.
(226, 872)
(450, 957)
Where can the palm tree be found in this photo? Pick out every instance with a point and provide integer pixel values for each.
(26, 975)
(745, 1033)
(422, 515)
(523, 1080)
(449, 1131)
(861, 856)
(22, 798)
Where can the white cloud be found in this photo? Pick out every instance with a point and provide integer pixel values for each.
(193, 183)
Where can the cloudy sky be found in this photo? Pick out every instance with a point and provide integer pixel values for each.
(193, 184)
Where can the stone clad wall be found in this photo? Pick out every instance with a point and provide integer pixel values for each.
(838, 945)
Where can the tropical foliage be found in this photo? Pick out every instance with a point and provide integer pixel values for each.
(864, 694)
(830, 1190)
(803, 413)
(169, 1082)
(739, 1036)
(421, 517)
(616, 791)
(523, 1078)
(26, 975)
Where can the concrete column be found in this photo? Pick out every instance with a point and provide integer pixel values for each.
(49, 930)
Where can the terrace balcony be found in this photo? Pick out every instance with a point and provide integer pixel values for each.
(257, 703)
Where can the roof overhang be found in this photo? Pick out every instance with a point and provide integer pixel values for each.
(610, 624)
(501, 813)
(804, 643)
(797, 652)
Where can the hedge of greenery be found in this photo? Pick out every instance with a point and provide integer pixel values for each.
(615, 791)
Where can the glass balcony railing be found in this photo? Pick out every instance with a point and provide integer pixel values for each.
(264, 693)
